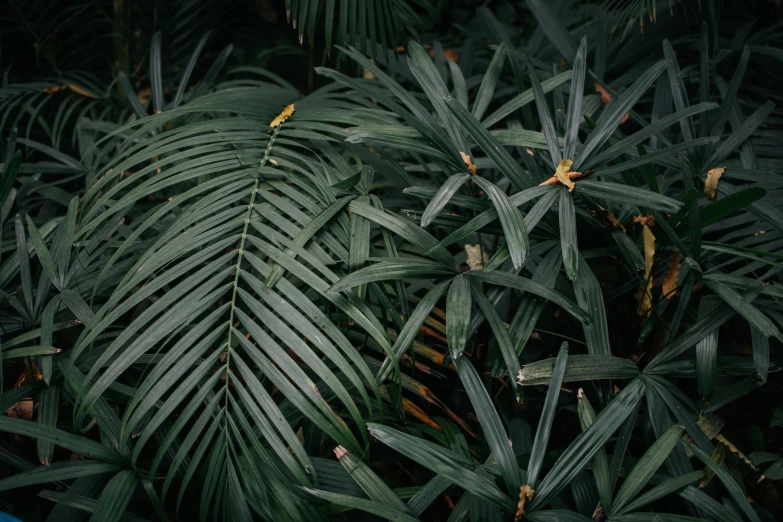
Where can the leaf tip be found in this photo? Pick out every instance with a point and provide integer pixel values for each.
(340, 452)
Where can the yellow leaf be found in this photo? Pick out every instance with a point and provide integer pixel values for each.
(670, 283)
(562, 174)
(718, 456)
(709, 424)
(645, 294)
(476, 256)
(711, 185)
(287, 112)
(79, 90)
(525, 494)
(74, 88)
(471, 166)
(366, 74)
(732, 448)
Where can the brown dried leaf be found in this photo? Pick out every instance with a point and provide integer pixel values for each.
(471, 166)
(606, 98)
(644, 296)
(21, 410)
(287, 112)
(525, 494)
(611, 218)
(563, 168)
(670, 282)
(711, 185)
(450, 55)
(412, 409)
(79, 90)
(144, 95)
(74, 88)
(571, 175)
(648, 220)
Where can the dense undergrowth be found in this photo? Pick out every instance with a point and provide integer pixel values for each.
(391, 260)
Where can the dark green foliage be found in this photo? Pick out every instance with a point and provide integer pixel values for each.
(440, 262)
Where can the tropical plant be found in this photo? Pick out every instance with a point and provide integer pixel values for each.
(523, 264)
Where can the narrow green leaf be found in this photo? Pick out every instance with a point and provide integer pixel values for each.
(647, 466)
(556, 515)
(501, 335)
(752, 314)
(115, 497)
(488, 83)
(760, 352)
(667, 487)
(522, 99)
(66, 470)
(371, 484)
(488, 216)
(10, 171)
(61, 438)
(499, 156)
(738, 137)
(458, 311)
(603, 481)
(48, 408)
(156, 73)
(579, 452)
(626, 145)
(81, 503)
(29, 351)
(184, 82)
(547, 418)
(507, 280)
(554, 28)
(375, 508)
(443, 462)
(442, 197)
(574, 113)
(579, 368)
(510, 219)
(707, 349)
(412, 326)
(544, 116)
(401, 268)
(618, 193)
(615, 112)
(490, 422)
(734, 489)
(568, 236)
(24, 263)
